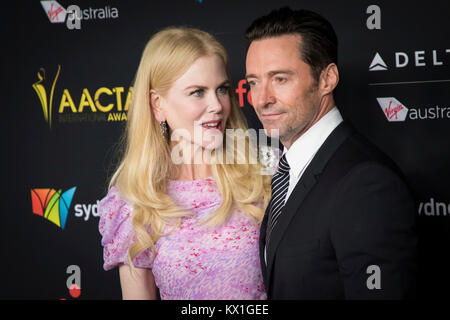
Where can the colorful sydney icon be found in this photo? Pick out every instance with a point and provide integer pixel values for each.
(52, 205)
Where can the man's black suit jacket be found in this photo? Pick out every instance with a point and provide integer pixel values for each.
(349, 214)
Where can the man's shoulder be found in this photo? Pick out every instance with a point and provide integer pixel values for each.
(356, 152)
(360, 167)
(357, 149)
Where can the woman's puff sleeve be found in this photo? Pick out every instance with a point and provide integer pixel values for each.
(117, 232)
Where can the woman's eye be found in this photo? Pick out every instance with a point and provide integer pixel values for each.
(197, 93)
(223, 89)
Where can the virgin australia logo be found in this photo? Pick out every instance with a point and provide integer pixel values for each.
(396, 111)
(55, 12)
(393, 109)
(74, 14)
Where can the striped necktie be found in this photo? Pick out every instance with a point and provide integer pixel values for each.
(280, 185)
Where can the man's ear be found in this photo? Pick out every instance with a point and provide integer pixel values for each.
(155, 105)
(329, 78)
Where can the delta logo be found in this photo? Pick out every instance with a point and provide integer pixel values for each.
(377, 63)
(395, 111)
(73, 15)
(52, 205)
(100, 104)
(419, 58)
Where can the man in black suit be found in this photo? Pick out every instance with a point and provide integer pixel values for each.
(341, 221)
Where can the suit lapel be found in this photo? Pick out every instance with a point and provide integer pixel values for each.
(299, 193)
(301, 190)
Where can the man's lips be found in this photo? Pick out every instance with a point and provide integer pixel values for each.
(271, 116)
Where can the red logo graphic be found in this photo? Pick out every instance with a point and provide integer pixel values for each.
(393, 109)
(392, 112)
(74, 291)
(53, 13)
(241, 93)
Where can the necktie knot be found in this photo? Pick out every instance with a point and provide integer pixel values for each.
(283, 165)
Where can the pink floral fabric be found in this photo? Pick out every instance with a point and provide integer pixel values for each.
(194, 261)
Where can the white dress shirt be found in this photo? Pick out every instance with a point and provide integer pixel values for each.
(303, 150)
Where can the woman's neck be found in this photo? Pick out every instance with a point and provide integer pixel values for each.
(192, 163)
(193, 171)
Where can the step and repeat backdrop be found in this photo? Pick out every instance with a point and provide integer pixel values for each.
(67, 87)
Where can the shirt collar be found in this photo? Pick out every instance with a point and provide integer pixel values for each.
(306, 146)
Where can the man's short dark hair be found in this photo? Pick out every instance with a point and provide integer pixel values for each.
(318, 39)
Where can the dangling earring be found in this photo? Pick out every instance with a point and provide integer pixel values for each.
(163, 125)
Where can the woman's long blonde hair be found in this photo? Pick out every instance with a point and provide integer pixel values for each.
(145, 167)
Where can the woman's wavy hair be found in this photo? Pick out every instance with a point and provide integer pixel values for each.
(145, 157)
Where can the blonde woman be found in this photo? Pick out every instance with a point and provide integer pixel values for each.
(189, 228)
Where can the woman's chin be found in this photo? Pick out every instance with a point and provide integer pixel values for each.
(211, 146)
(212, 141)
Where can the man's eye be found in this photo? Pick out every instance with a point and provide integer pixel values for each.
(251, 83)
(280, 79)
(197, 93)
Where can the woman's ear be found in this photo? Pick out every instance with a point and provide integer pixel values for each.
(155, 105)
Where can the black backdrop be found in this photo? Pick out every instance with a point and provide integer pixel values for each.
(97, 64)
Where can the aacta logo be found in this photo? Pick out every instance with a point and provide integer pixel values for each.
(57, 13)
(106, 104)
(42, 94)
(52, 205)
(393, 109)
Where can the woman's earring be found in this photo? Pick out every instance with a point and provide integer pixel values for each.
(163, 125)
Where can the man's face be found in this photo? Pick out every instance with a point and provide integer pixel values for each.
(284, 93)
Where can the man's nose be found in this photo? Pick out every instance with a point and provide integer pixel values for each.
(263, 95)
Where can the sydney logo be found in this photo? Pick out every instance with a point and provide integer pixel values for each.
(52, 205)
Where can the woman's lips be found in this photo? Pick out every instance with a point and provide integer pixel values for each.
(212, 125)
